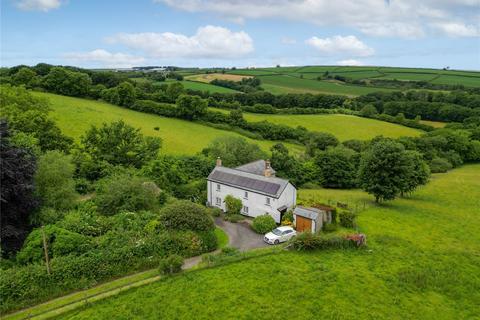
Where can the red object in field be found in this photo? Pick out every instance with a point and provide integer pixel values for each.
(360, 239)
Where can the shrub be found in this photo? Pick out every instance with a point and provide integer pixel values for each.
(234, 218)
(215, 212)
(185, 215)
(307, 241)
(124, 192)
(347, 218)
(263, 224)
(287, 219)
(440, 165)
(330, 227)
(171, 264)
(233, 204)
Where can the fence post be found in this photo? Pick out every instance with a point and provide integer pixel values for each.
(45, 250)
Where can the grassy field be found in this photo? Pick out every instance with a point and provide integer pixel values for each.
(344, 127)
(202, 86)
(422, 262)
(212, 76)
(74, 116)
(303, 79)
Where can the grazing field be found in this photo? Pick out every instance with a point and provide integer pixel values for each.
(207, 78)
(422, 262)
(344, 127)
(304, 79)
(74, 116)
(291, 84)
(202, 86)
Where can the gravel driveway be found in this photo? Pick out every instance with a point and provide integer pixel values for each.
(240, 235)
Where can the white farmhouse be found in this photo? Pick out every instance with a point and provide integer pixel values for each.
(256, 185)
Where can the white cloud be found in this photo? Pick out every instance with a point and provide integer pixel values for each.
(350, 62)
(39, 5)
(454, 29)
(105, 58)
(394, 18)
(338, 45)
(208, 42)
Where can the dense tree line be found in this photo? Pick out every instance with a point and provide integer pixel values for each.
(248, 84)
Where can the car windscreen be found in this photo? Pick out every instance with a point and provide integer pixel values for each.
(277, 232)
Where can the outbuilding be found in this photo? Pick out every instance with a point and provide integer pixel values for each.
(311, 219)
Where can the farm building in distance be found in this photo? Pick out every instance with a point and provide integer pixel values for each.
(256, 185)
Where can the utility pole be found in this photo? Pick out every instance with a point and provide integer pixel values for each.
(45, 250)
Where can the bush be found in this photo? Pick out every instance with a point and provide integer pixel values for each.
(440, 165)
(124, 192)
(215, 212)
(307, 241)
(171, 264)
(287, 219)
(330, 227)
(263, 224)
(185, 215)
(233, 205)
(234, 218)
(347, 218)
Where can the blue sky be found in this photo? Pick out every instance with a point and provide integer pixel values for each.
(205, 33)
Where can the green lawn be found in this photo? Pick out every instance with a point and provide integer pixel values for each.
(422, 262)
(344, 127)
(74, 116)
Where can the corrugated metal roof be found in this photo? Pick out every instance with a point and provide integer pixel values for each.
(255, 167)
(271, 186)
(310, 213)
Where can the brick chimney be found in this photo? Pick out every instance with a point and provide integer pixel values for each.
(219, 162)
(268, 169)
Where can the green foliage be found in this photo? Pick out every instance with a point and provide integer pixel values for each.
(126, 94)
(60, 242)
(233, 205)
(263, 224)
(54, 181)
(387, 170)
(440, 165)
(215, 212)
(307, 241)
(125, 192)
(171, 264)
(185, 215)
(347, 218)
(337, 167)
(234, 218)
(368, 111)
(46, 215)
(319, 141)
(25, 76)
(191, 107)
(233, 151)
(287, 218)
(66, 82)
(29, 115)
(120, 144)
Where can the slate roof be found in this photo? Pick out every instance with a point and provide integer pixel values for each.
(270, 186)
(310, 213)
(255, 167)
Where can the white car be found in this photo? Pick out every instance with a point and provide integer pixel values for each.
(280, 234)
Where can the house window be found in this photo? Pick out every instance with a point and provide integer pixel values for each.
(218, 187)
(218, 201)
(267, 199)
(245, 195)
(245, 209)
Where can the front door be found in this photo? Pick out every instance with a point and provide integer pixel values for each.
(303, 224)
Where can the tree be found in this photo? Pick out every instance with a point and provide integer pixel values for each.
(54, 182)
(233, 151)
(66, 82)
(173, 91)
(236, 117)
(126, 192)
(319, 141)
(385, 169)
(368, 111)
(233, 205)
(283, 163)
(17, 200)
(337, 167)
(28, 114)
(25, 76)
(126, 94)
(419, 175)
(191, 107)
(120, 144)
(185, 215)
